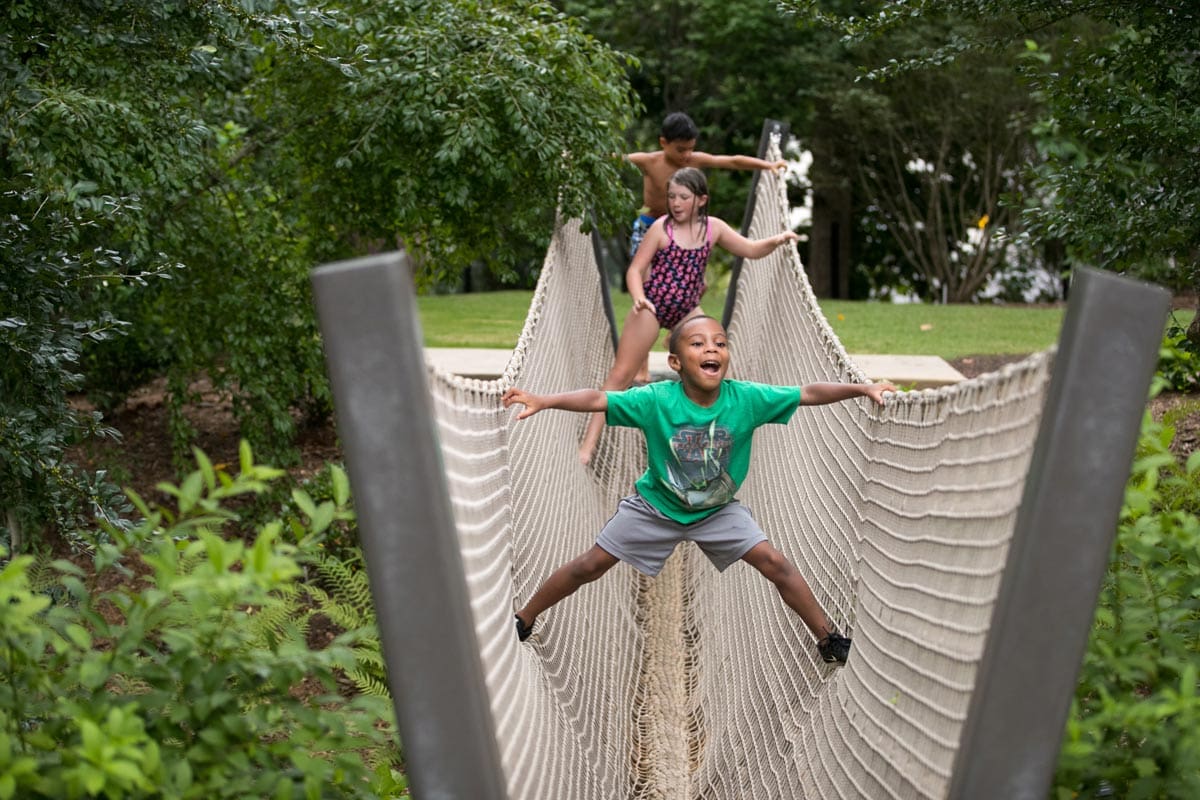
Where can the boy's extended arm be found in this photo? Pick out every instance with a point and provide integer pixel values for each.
(579, 400)
(733, 162)
(639, 160)
(820, 394)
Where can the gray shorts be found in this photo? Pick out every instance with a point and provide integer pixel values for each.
(642, 536)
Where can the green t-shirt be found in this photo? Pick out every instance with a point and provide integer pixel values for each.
(698, 457)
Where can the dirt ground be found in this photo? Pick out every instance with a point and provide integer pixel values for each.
(142, 457)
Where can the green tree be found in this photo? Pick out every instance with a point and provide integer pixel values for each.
(93, 126)
(970, 122)
(931, 154)
(235, 145)
(1121, 176)
(452, 128)
(693, 56)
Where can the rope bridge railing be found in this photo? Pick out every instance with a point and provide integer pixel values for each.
(693, 684)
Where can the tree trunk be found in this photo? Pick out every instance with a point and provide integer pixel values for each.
(14, 533)
(828, 262)
(829, 243)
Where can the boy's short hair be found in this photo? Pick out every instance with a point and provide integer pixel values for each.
(678, 126)
(677, 331)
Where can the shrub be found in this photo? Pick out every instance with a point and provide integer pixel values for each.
(1178, 361)
(1134, 729)
(166, 686)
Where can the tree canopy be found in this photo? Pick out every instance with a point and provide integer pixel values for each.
(1119, 179)
(230, 147)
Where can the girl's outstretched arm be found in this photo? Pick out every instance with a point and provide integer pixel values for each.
(820, 394)
(742, 247)
(579, 400)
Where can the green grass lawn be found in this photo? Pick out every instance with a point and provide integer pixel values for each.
(495, 319)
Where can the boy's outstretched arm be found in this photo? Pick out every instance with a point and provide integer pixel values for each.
(579, 400)
(820, 394)
(733, 162)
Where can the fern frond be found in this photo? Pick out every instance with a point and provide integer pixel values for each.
(348, 585)
(284, 618)
(369, 683)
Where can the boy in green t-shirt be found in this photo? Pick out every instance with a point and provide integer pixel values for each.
(698, 435)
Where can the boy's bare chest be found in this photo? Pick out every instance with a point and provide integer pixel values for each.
(655, 175)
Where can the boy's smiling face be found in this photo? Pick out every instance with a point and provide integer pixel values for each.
(701, 355)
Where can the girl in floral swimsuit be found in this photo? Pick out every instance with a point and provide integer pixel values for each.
(676, 280)
(666, 278)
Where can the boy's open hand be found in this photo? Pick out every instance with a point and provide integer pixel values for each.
(875, 391)
(532, 402)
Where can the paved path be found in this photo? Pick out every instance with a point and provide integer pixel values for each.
(920, 372)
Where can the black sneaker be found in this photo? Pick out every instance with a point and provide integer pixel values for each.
(523, 631)
(834, 648)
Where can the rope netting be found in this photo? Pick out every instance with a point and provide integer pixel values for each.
(697, 684)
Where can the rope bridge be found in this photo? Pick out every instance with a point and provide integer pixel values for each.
(694, 684)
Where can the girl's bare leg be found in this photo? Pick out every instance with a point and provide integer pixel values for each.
(565, 580)
(643, 375)
(791, 585)
(637, 337)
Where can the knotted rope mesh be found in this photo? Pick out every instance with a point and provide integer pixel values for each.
(698, 684)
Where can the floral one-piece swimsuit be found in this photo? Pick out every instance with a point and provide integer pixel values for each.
(676, 279)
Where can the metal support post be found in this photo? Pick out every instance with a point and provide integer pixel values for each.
(376, 363)
(1107, 353)
(771, 127)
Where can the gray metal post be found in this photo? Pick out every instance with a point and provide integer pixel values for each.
(600, 252)
(771, 127)
(1064, 530)
(377, 366)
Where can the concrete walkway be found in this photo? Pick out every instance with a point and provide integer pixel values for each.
(919, 372)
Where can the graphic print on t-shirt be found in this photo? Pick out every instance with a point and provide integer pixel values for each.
(699, 476)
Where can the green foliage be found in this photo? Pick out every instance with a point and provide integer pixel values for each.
(1118, 174)
(322, 525)
(324, 500)
(455, 129)
(1134, 730)
(163, 686)
(44, 276)
(96, 126)
(1120, 168)
(698, 63)
(933, 154)
(233, 145)
(341, 592)
(1178, 361)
